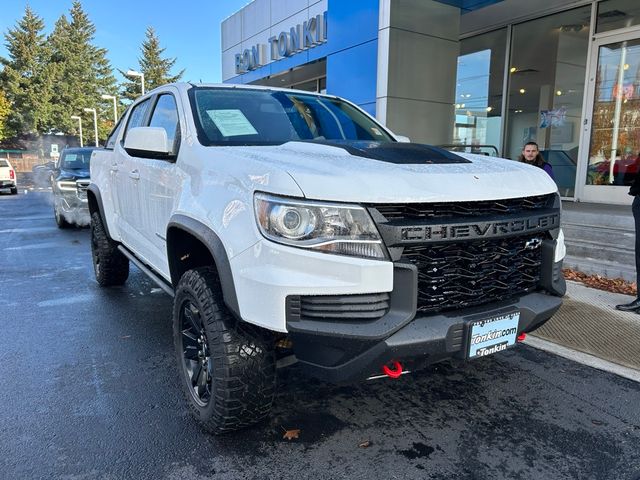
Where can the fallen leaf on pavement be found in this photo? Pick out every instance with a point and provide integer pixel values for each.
(365, 444)
(291, 434)
(614, 285)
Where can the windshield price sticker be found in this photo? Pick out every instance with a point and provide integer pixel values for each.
(232, 122)
(493, 335)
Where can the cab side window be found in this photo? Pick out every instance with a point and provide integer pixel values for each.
(165, 115)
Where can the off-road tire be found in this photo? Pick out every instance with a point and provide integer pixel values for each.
(60, 220)
(238, 381)
(109, 264)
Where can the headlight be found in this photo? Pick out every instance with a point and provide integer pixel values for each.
(65, 185)
(332, 228)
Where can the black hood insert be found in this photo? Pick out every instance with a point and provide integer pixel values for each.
(396, 152)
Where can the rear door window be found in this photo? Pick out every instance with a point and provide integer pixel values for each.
(4, 163)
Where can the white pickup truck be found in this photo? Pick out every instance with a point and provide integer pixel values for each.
(290, 226)
(8, 177)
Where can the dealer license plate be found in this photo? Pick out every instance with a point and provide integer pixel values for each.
(493, 335)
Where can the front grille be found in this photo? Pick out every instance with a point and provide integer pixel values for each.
(463, 274)
(451, 210)
(339, 307)
(82, 186)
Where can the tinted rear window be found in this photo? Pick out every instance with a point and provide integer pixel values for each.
(4, 163)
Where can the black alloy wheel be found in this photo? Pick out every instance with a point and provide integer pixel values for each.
(109, 264)
(195, 353)
(227, 367)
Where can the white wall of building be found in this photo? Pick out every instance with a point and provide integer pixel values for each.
(417, 54)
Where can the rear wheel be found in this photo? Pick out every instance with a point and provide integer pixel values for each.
(14, 190)
(227, 368)
(109, 264)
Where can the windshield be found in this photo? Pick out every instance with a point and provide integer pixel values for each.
(78, 160)
(227, 116)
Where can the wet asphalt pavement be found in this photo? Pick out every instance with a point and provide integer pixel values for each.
(89, 389)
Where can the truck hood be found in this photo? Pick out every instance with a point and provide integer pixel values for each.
(367, 172)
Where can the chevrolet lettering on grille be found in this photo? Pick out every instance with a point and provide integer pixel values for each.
(493, 229)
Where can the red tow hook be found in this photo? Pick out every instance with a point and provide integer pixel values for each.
(395, 372)
(522, 337)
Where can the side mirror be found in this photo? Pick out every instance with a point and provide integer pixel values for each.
(403, 139)
(148, 142)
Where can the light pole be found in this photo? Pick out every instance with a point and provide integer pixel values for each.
(76, 117)
(133, 73)
(115, 108)
(95, 122)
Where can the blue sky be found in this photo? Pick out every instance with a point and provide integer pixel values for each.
(189, 30)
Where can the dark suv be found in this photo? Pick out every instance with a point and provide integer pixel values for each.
(70, 182)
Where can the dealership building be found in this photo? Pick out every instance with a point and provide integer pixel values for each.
(486, 75)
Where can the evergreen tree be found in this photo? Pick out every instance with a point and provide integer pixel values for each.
(26, 77)
(156, 70)
(82, 74)
(5, 110)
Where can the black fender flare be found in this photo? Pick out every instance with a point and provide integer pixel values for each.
(216, 248)
(95, 191)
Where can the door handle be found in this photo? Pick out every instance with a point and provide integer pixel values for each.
(134, 174)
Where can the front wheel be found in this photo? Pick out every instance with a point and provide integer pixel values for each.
(109, 264)
(60, 220)
(227, 368)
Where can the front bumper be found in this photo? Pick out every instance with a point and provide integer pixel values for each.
(70, 203)
(343, 349)
(344, 352)
(273, 281)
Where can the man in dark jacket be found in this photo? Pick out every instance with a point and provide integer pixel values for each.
(635, 208)
(531, 155)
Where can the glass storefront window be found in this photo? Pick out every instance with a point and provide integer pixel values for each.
(614, 14)
(318, 85)
(310, 86)
(478, 119)
(546, 88)
(614, 151)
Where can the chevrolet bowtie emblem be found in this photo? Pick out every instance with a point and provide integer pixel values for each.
(533, 244)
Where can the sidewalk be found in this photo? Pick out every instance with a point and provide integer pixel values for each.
(588, 322)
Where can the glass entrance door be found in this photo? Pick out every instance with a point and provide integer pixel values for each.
(612, 131)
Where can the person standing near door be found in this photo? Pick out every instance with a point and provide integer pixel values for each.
(634, 190)
(531, 155)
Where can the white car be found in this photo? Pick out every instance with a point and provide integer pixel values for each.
(292, 226)
(8, 176)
